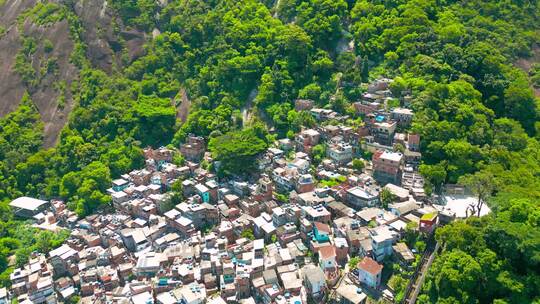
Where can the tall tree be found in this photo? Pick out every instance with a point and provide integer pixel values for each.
(482, 185)
(365, 69)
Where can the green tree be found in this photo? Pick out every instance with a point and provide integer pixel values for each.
(321, 19)
(237, 151)
(519, 101)
(481, 184)
(399, 148)
(176, 193)
(387, 197)
(459, 275)
(87, 189)
(398, 283)
(358, 164)
(248, 233)
(411, 233)
(365, 69)
(353, 263)
(435, 176)
(311, 91)
(474, 110)
(158, 119)
(318, 153)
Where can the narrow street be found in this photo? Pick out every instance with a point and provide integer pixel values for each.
(420, 275)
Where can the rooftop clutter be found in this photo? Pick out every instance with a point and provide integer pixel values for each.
(179, 233)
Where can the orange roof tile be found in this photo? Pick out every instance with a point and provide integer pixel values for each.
(322, 227)
(369, 265)
(327, 252)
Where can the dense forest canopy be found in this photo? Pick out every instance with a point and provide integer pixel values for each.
(475, 110)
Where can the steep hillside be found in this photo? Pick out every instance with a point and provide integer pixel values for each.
(11, 87)
(109, 43)
(39, 48)
(528, 65)
(93, 74)
(49, 72)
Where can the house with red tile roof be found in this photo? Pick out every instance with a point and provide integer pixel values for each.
(328, 263)
(370, 272)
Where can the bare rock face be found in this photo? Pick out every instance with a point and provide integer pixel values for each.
(106, 36)
(51, 93)
(134, 43)
(11, 88)
(103, 33)
(96, 19)
(52, 96)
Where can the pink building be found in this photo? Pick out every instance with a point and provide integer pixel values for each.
(387, 167)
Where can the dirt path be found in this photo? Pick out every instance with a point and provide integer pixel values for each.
(278, 2)
(247, 107)
(344, 45)
(526, 63)
(182, 109)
